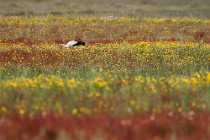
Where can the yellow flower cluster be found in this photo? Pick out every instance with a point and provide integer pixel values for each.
(135, 93)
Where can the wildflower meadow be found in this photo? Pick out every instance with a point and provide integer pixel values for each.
(136, 78)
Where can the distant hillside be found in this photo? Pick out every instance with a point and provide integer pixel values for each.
(152, 8)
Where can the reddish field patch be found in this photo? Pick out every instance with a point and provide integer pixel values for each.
(148, 127)
(30, 57)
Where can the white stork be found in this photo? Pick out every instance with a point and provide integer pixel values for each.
(73, 43)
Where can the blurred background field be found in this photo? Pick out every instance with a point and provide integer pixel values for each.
(134, 8)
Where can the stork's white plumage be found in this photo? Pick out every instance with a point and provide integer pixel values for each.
(73, 43)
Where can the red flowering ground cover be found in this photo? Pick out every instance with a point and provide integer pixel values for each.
(164, 126)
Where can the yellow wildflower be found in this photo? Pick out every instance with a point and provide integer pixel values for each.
(74, 111)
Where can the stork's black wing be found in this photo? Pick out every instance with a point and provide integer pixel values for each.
(79, 43)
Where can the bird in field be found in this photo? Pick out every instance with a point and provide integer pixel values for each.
(73, 43)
